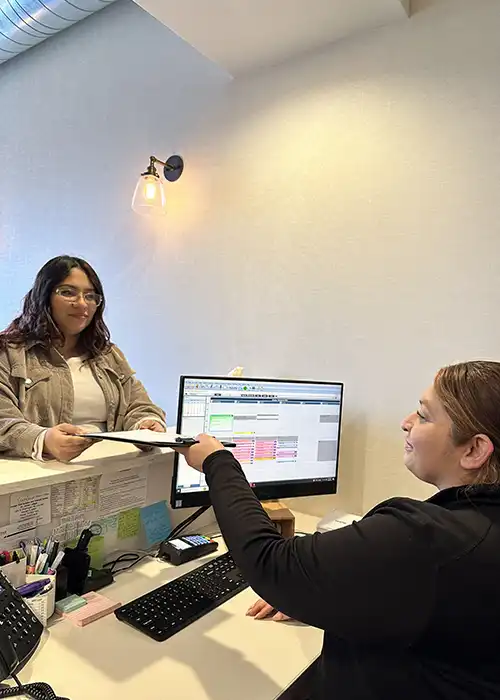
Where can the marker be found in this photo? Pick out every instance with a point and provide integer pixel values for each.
(32, 558)
(40, 563)
(53, 553)
(56, 562)
(33, 588)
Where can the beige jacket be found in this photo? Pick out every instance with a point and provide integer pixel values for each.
(36, 392)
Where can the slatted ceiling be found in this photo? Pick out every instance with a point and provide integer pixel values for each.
(25, 23)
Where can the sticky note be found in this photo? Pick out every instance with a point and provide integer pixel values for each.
(97, 606)
(69, 604)
(96, 551)
(109, 525)
(156, 522)
(129, 523)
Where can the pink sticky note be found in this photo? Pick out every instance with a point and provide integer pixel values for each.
(97, 606)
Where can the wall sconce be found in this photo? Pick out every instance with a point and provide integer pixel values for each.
(149, 195)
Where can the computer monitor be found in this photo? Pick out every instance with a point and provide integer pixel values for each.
(286, 434)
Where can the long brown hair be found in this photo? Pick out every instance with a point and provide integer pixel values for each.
(470, 394)
(35, 323)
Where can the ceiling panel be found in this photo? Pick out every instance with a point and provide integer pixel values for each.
(243, 35)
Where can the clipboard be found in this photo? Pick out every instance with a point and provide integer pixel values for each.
(150, 438)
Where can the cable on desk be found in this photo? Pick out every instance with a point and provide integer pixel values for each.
(133, 558)
(37, 691)
(185, 523)
(130, 558)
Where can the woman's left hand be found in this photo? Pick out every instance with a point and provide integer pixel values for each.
(197, 454)
(153, 425)
(261, 610)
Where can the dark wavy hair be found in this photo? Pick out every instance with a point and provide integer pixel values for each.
(35, 324)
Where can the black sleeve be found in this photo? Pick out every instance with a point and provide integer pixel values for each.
(373, 580)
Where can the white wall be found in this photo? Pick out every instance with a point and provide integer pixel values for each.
(355, 224)
(79, 117)
(338, 220)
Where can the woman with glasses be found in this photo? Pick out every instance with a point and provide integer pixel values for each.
(60, 375)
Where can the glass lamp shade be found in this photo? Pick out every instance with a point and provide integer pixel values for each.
(149, 196)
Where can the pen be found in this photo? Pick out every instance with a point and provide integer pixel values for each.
(56, 562)
(53, 553)
(40, 563)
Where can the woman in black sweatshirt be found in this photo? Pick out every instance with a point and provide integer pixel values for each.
(409, 597)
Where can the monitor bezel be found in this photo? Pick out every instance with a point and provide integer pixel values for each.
(264, 492)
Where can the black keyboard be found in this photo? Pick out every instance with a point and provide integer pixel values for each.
(166, 610)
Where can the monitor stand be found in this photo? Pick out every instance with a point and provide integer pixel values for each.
(281, 516)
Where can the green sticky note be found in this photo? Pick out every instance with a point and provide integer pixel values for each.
(129, 523)
(96, 551)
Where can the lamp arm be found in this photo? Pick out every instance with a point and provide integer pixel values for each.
(172, 167)
(154, 159)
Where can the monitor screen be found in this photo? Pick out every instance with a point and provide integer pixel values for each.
(286, 434)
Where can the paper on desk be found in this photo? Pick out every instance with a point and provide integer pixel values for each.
(122, 490)
(156, 522)
(74, 496)
(129, 523)
(33, 504)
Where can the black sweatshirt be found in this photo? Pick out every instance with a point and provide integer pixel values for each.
(409, 597)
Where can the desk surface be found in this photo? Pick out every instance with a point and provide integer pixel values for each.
(223, 656)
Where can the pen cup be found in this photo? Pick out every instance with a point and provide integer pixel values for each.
(15, 572)
(43, 604)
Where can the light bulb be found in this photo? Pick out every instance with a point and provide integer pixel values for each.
(149, 196)
(150, 190)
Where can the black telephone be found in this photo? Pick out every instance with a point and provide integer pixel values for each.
(20, 633)
(20, 630)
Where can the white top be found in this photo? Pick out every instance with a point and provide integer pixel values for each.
(89, 407)
(89, 404)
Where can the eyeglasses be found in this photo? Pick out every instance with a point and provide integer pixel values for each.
(72, 294)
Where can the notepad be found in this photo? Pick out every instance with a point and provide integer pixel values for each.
(97, 606)
(70, 604)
